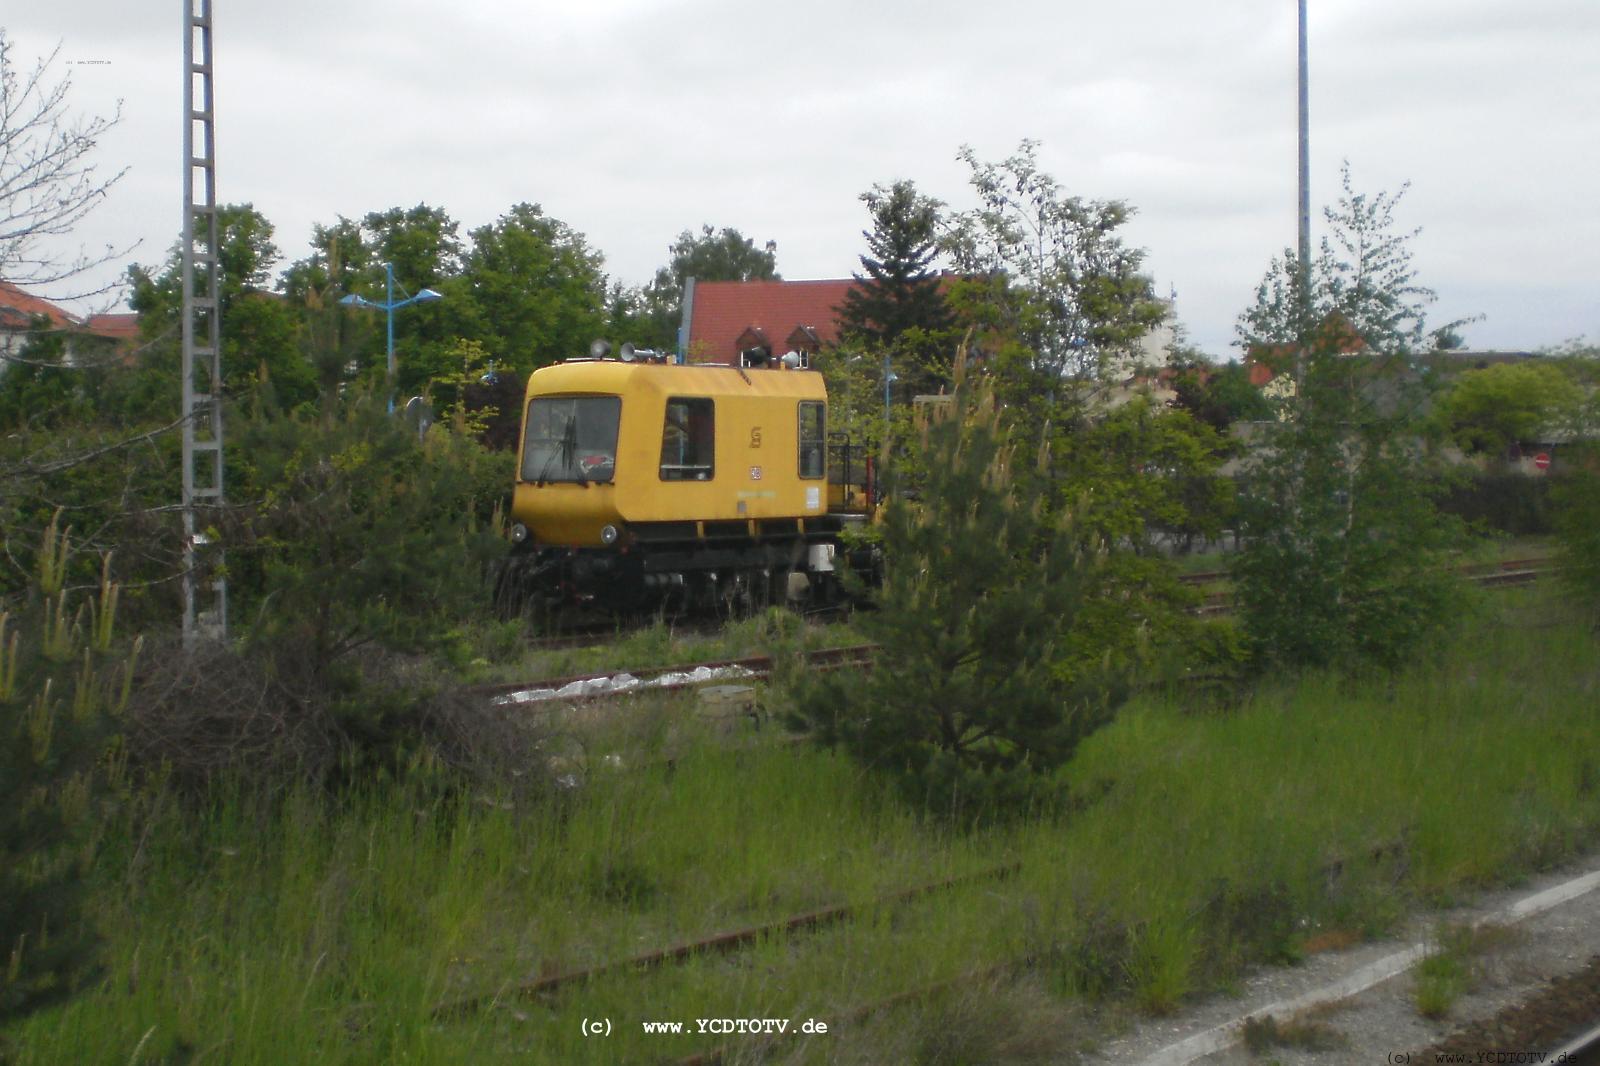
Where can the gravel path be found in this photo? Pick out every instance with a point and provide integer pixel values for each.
(1532, 979)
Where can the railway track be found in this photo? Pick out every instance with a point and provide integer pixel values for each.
(608, 684)
(727, 1051)
(755, 668)
(583, 687)
(1472, 570)
(591, 634)
(727, 942)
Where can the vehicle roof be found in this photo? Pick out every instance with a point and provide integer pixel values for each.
(613, 376)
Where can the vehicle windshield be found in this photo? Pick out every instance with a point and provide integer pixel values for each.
(571, 438)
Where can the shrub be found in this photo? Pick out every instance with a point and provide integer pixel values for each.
(361, 534)
(1510, 503)
(970, 702)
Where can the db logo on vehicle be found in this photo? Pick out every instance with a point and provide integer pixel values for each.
(755, 473)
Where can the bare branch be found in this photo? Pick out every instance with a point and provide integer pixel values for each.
(48, 181)
(55, 466)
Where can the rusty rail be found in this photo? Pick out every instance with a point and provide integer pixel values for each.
(728, 942)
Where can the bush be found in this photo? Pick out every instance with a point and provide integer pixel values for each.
(1346, 559)
(260, 719)
(971, 702)
(361, 534)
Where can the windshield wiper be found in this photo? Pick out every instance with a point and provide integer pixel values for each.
(571, 431)
(567, 452)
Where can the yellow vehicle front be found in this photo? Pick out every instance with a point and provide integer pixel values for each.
(636, 478)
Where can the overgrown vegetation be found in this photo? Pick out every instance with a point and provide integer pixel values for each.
(63, 682)
(1345, 557)
(1451, 966)
(314, 829)
(973, 703)
(1214, 841)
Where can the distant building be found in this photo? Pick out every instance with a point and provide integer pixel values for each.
(1272, 366)
(728, 317)
(21, 314)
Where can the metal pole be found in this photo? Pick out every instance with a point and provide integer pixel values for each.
(388, 308)
(205, 587)
(1305, 166)
(1304, 310)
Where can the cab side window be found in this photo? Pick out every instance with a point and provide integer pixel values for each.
(688, 436)
(813, 448)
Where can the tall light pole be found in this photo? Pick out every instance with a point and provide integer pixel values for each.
(1304, 310)
(389, 306)
(1305, 167)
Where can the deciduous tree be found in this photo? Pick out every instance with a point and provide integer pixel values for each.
(535, 287)
(711, 255)
(1344, 557)
(1050, 274)
(1487, 410)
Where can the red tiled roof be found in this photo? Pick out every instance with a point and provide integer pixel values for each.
(723, 310)
(1335, 334)
(121, 326)
(17, 309)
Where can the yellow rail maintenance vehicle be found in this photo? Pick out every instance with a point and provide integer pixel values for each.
(642, 482)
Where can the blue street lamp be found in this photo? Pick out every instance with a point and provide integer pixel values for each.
(889, 378)
(389, 306)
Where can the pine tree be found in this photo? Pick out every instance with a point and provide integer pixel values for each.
(898, 303)
(61, 684)
(973, 702)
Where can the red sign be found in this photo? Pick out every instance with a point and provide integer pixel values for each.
(1542, 460)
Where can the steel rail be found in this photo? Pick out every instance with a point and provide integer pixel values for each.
(728, 942)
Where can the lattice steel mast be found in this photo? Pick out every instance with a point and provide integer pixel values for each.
(205, 593)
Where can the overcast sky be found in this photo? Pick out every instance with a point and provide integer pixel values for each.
(632, 120)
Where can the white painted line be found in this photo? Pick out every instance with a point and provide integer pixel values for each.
(1226, 1035)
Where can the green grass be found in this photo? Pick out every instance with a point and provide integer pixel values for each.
(661, 643)
(1450, 968)
(1209, 840)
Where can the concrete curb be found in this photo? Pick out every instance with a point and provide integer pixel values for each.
(1220, 1037)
